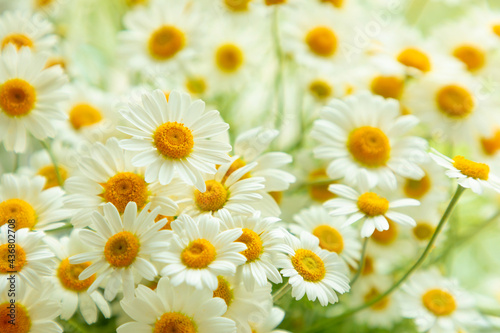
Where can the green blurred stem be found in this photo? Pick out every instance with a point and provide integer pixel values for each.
(281, 292)
(16, 162)
(361, 262)
(415, 9)
(54, 162)
(278, 83)
(423, 256)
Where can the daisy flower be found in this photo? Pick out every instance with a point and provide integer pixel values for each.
(369, 207)
(469, 174)
(23, 30)
(174, 137)
(71, 290)
(122, 247)
(364, 133)
(35, 311)
(107, 175)
(32, 259)
(175, 308)
(264, 241)
(332, 236)
(270, 322)
(437, 304)
(24, 199)
(199, 252)
(313, 271)
(29, 97)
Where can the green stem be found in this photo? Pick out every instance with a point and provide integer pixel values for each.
(281, 292)
(54, 162)
(361, 262)
(416, 8)
(413, 268)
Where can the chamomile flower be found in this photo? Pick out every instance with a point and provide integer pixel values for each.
(364, 133)
(25, 200)
(34, 308)
(469, 174)
(270, 322)
(29, 97)
(332, 236)
(32, 259)
(174, 138)
(107, 175)
(313, 271)
(199, 252)
(71, 290)
(371, 208)
(264, 241)
(23, 30)
(122, 247)
(175, 308)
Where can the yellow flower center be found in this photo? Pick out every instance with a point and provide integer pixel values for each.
(388, 86)
(136, 2)
(253, 242)
(368, 267)
(369, 146)
(274, 2)
(170, 219)
(213, 198)
(423, 231)
(43, 3)
(174, 322)
(121, 249)
(496, 29)
(12, 262)
(454, 101)
(277, 196)
(19, 40)
(22, 320)
(412, 57)
(386, 237)
(196, 85)
(224, 291)
(491, 145)
(309, 265)
(68, 275)
(82, 115)
(237, 5)
(416, 189)
(322, 41)
(439, 302)
(329, 238)
(372, 204)
(320, 89)
(380, 305)
(18, 210)
(17, 97)
(123, 188)
(472, 56)
(335, 3)
(470, 168)
(319, 192)
(56, 61)
(49, 173)
(199, 254)
(229, 58)
(238, 163)
(174, 140)
(166, 42)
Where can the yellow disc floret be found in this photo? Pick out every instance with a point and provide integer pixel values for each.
(470, 168)
(199, 254)
(372, 204)
(253, 242)
(322, 41)
(309, 265)
(386, 237)
(224, 290)
(121, 249)
(171, 322)
(472, 56)
(320, 89)
(380, 305)
(388, 86)
(491, 145)
(319, 192)
(416, 189)
(18, 210)
(228, 58)
(496, 29)
(439, 302)
(68, 275)
(166, 42)
(49, 173)
(335, 3)
(423, 231)
(238, 163)
(369, 146)
(8, 311)
(82, 115)
(123, 188)
(237, 5)
(18, 40)
(196, 85)
(330, 238)
(173, 140)
(12, 262)
(454, 101)
(17, 97)
(213, 198)
(415, 58)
